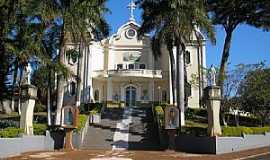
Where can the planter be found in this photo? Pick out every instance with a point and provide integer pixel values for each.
(95, 118)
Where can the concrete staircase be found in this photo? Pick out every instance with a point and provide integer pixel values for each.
(142, 133)
(101, 136)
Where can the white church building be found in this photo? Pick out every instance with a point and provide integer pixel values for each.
(121, 70)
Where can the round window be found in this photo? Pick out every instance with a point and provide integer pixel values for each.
(131, 33)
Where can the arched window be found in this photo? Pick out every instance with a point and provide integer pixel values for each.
(96, 95)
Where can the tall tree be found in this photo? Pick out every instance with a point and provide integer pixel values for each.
(177, 20)
(230, 14)
(79, 19)
(255, 91)
(20, 39)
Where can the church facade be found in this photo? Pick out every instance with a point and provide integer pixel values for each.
(122, 70)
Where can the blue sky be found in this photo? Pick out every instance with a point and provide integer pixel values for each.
(250, 45)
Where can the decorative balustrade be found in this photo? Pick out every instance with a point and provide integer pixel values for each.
(131, 73)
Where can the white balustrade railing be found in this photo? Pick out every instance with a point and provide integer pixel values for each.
(132, 72)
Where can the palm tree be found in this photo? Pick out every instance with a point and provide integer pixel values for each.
(230, 14)
(19, 40)
(79, 19)
(178, 21)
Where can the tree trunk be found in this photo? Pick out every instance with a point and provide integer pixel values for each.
(60, 81)
(3, 63)
(181, 84)
(172, 65)
(13, 87)
(236, 118)
(224, 60)
(223, 119)
(79, 78)
(49, 118)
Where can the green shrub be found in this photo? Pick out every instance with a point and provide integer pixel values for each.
(160, 115)
(163, 105)
(243, 120)
(82, 121)
(40, 129)
(192, 112)
(260, 130)
(239, 131)
(96, 109)
(8, 123)
(86, 107)
(194, 130)
(39, 107)
(10, 132)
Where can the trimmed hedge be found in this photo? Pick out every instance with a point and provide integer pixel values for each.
(40, 128)
(10, 132)
(239, 131)
(8, 123)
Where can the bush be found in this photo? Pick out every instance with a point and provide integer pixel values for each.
(10, 132)
(243, 120)
(160, 115)
(82, 121)
(194, 130)
(239, 131)
(40, 129)
(39, 107)
(163, 105)
(192, 112)
(8, 123)
(96, 109)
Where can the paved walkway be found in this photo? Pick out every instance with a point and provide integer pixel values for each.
(142, 155)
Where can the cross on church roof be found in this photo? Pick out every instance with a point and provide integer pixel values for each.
(132, 7)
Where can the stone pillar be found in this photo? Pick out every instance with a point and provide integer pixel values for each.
(109, 89)
(28, 98)
(213, 99)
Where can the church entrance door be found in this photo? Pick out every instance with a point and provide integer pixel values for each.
(130, 96)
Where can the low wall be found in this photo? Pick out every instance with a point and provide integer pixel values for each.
(221, 145)
(195, 144)
(16, 146)
(233, 144)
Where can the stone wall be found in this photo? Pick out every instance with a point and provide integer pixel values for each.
(16, 146)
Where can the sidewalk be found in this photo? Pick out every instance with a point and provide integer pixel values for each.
(138, 155)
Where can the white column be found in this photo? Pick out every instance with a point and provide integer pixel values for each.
(109, 89)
